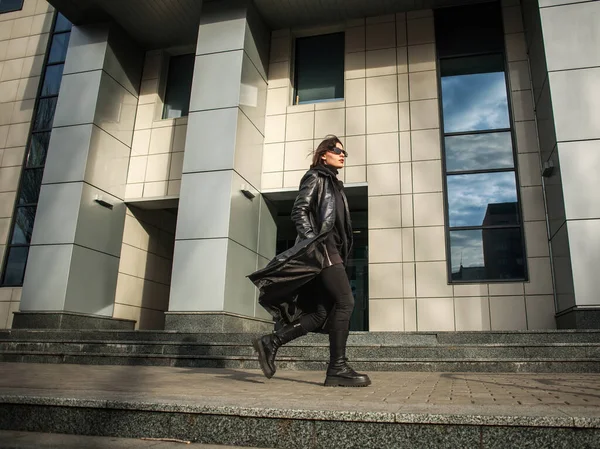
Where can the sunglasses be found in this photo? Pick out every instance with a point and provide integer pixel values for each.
(337, 150)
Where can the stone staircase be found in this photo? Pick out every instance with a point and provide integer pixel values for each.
(519, 351)
(447, 407)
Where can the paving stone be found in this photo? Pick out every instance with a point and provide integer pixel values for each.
(391, 392)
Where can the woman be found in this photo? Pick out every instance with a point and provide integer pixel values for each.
(306, 288)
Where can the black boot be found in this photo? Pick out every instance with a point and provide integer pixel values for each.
(267, 345)
(339, 373)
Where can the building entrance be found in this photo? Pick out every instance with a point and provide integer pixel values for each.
(146, 263)
(358, 264)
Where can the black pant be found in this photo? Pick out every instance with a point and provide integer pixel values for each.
(336, 287)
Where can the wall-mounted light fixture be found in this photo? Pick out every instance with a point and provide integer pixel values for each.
(247, 193)
(98, 199)
(547, 169)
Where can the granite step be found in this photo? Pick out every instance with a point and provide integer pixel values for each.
(294, 410)
(534, 351)
(297, 429)
(183, 337)
(39, 440)
(524, 365)
(403, 338)
(308, 351)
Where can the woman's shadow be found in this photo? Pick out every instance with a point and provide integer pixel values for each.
(256, 378)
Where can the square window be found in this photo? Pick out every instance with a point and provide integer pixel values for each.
(319, 68)
(179, 86)
(474, 94)
(487, 254)
(10, 5)
(482, 199)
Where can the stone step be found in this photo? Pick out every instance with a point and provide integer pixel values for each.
(403, 338)
(38, 440)
(294, 410)
(168, 336)
(525, 365)
(534, 351)
(312, 351)
(270, 427)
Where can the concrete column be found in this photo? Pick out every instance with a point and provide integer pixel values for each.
(74, 258)
(563, 40)
(219, 237)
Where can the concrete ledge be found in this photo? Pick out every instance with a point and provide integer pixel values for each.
(289, 428)
(68, 320)
(579, 318)
(215, 322)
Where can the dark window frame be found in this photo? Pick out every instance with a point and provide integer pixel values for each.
(443, 135)
(167, 74)
(24, 168)
(4, 10)
(295, 98)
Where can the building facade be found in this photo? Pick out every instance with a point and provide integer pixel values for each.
(152, 152)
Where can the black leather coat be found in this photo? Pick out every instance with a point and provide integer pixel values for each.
(286, 285)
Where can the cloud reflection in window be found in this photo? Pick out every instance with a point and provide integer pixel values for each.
(467, 249)
(469, 196)
(479, 152)
(474, 102)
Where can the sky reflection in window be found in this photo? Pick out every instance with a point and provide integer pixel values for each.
(467, 249)
(471, 197)
(487, 254)
(479, 152)
(474, 102)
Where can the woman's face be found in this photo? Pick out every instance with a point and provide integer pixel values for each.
(335, 160)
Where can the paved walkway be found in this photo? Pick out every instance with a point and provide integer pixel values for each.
(418, 397)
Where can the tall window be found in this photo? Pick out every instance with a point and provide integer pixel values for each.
(319, 68)
(179, 86)
(10, 5)
(485, 234)
(35, 158)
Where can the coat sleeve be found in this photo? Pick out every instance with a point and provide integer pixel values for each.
(305, 201)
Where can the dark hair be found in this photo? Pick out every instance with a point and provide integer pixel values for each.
(329, 143)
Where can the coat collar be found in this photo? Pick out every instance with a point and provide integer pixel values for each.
(326, 170)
